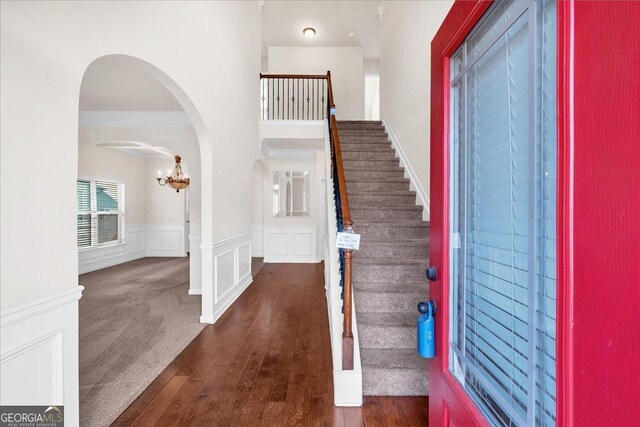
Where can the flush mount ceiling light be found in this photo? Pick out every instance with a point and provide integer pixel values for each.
(176, 178)
(309, 32)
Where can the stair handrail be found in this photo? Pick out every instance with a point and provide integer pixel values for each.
(314, 97)
(344, 224)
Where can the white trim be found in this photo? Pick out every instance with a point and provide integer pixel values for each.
(35, 307)
(141, 240)
(223, 269)
(279, 244)
(39, 353)
(224, 242)
(422, 198)
(347, 388)
(154, 119)
(237, 291)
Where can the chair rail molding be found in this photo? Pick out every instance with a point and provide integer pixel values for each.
(39, 353)
(422, 199)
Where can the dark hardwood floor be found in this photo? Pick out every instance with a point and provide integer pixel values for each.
(267, 361)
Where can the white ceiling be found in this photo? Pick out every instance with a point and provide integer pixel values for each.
(111, 84)
(283, 22)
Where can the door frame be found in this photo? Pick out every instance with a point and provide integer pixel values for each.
(461, 19)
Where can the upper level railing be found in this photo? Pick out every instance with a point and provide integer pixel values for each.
(293, 97)
(310, 97)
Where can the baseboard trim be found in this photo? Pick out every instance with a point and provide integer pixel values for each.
(422, 198)
(231, 297)
(195, 291)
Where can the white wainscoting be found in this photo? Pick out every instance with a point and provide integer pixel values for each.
(231, 274)
(163, 240)
(257, 240)
(39, 353)
(133, 247)
(291, 244)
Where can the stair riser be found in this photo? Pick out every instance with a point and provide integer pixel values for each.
(388, 155)
(385, 336)
(371, 232)
(354, 187)
(392, 250)
(395, 382)
(356, 200)
(374, 175)
(367, 273)
(387, 302)
(392, 166)
(384, 215)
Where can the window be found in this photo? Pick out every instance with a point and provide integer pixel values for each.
(100, 212)
(503, 214)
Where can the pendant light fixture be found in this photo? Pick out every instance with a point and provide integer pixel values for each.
(176, 178)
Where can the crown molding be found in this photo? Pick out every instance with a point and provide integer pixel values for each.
(161, 119)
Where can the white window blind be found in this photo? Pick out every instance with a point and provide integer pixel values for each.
(100, 212)
(503, 204)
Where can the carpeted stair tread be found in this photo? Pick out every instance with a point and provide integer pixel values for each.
(389, 358)
(384, 192)
(390, 288)
(389, 207)
(388, 319)
(391, 223)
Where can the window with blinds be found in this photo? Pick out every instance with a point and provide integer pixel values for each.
(503, 214)
(100, 212)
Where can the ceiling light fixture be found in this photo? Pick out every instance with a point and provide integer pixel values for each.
(309, 32)
(176, 178)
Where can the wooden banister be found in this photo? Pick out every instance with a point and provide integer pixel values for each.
(292, 76)
(347, 224)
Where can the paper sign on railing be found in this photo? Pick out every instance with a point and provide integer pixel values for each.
(348, 241)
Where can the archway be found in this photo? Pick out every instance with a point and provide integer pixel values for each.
(142, 132)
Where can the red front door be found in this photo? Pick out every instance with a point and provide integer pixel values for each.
(507, 212)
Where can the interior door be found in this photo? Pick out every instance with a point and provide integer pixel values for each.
(494, 196)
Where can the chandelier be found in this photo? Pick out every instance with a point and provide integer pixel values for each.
(176, 179)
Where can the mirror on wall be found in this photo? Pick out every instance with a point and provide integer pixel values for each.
(291, 191)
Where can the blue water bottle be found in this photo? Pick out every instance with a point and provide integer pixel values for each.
(426, 329)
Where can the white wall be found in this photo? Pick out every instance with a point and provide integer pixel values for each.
(155, 216)
(405, 70)
(110, 164)
(346, 66)
(294, 239)
(211, 67)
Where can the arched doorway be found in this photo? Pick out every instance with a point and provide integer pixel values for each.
(133, 119)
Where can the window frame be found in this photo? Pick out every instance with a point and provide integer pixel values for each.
(94, 213)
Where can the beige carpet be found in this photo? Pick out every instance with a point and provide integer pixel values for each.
(135, 318)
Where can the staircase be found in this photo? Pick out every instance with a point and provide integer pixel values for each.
(388, 270)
